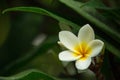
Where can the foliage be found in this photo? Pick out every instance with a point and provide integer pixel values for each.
(17, 43)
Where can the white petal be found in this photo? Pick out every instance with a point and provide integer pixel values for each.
(68, 56)
(83, 64)
(68, 39)
(86, 34)
(96, 47)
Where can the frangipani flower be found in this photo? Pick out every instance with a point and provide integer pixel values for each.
(80, 49)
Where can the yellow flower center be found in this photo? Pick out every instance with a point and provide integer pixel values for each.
(82, 50)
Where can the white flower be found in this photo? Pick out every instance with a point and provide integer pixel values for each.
(80, 49)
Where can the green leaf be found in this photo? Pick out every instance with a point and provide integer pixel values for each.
(110, 47)
(4, 28)
(106, 69)
(29, 75)
(39, 50)
(77, 6)
(96, 4)
(43, 12)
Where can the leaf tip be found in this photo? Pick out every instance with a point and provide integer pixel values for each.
(4, 11)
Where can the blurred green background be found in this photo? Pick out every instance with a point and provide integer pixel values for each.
(21, 32)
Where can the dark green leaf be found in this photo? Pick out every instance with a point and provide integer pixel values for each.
(42, 48)
(77, 6)
(29, 75)
(110, 47)
(43, 12)
(96, 4)
(4, 28)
